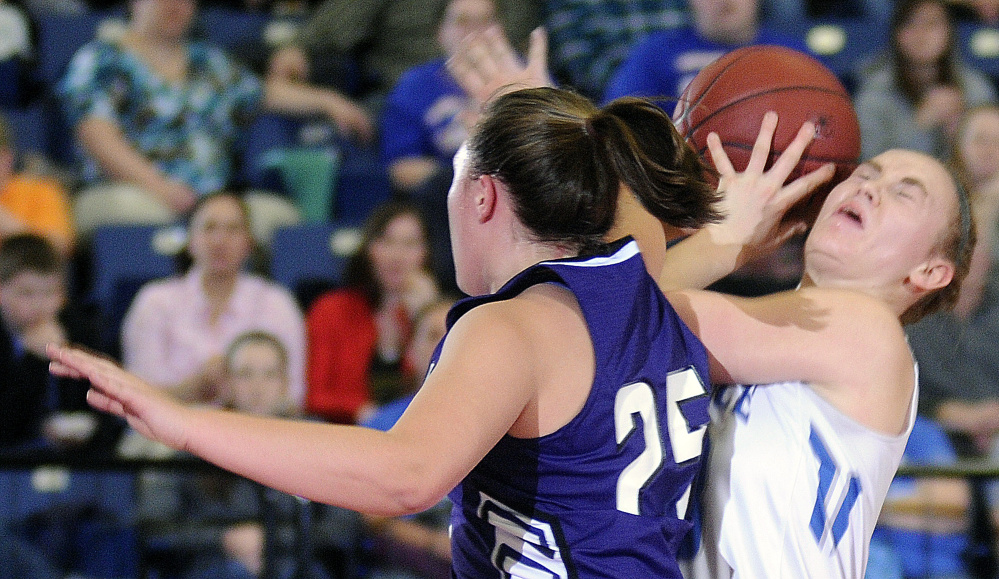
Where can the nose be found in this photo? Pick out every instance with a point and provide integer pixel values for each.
(872, 190)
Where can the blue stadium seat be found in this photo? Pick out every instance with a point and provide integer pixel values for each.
(124, 258)
(30, 128)
(230, 28)
(59, 37)
(980, 47)
(267, 131)
(310, 258)
(845, 44)
(363, 183)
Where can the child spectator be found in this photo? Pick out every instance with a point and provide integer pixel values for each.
(37, 410)
(215, 519)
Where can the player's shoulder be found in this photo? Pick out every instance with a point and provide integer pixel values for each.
(525, 320)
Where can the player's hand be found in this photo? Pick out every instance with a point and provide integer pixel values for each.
(148, 410)
(486, 65)
(755, 200)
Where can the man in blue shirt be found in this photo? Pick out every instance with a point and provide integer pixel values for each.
(664, 62)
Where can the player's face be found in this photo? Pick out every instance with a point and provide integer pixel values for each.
(220, 237)
(881, 223)
(257, 378)
(463, 18)
(399, 252)
(979, 145)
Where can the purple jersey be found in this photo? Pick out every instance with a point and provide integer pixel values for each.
(605, 495)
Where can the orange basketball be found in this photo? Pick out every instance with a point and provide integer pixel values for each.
(731, 95)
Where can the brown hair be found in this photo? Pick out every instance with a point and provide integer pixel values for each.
(946, 65)
(28, 252)
(563, 160)
(956, 244)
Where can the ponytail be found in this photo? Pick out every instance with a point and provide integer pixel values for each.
(564, 160)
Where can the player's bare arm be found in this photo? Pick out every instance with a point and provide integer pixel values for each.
(848, 346)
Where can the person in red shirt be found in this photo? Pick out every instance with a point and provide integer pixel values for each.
(357, 333)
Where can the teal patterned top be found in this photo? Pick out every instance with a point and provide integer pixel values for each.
(188, 129)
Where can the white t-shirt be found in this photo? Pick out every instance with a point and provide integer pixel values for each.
(794, 486)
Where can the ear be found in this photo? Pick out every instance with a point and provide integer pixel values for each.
(932, 275)
(486, 197)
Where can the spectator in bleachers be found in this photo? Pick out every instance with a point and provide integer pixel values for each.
(426, 118)
(383, 37)
(30, 203)
(418, 546)
(214, 520)
(177, 329)
(357, 334)
(590, 38)
(914, 94)
(157, 114)
(37, 411)
(959, 365)
(661, 65)
(426, 115)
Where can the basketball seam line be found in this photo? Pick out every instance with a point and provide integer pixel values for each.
(754, 95)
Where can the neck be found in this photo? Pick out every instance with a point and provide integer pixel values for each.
(898, 299)
(524, 255)
(925, 75)
(143, 37)
(217, 285)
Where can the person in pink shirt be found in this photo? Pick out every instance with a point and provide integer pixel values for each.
(178, 328)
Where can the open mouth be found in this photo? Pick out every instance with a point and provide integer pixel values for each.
(852, 214)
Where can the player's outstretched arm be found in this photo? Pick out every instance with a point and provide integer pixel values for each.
(475, 396)
(755, 202)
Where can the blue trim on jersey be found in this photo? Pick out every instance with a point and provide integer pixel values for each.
(843, 517)
(827, 472)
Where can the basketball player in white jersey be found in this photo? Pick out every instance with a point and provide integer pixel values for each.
(798, 471)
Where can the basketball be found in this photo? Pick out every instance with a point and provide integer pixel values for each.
(731, 95)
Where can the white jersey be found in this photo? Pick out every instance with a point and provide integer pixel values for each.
(794, 486)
